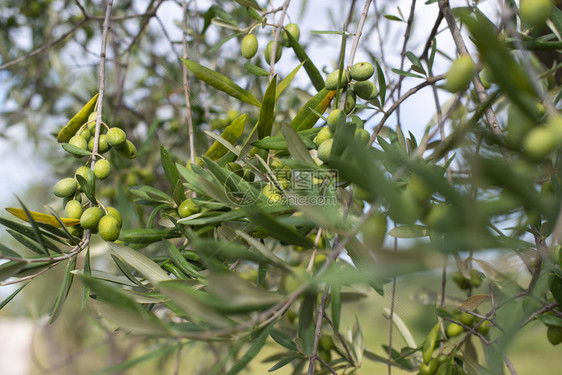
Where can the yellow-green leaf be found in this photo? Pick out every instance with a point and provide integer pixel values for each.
(231, 133)
(474, 301)
(220, 82)
(306, 118)
(77, 121)
(42, 218)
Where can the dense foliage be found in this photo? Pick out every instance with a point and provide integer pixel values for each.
(262, 201)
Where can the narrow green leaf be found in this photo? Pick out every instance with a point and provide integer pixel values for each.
(296, 146)
(231, 134)
(74, 150)
(253, 351)
(138, 321)
(306, 322)
(63, 291)
(283, 340)
(86, 188)
(77, 121)
(220, 82)
(140, 262)
(284, 361)
(10, 269)
(406, 74)
(286, 81)
(305, 118)
(409, 231)
(170, 169)
(279, 142)
(27, 242)
(249, 3)
(11, 296)
(181, 262)
(256, 70)
(147, 236)
(382, 83)
(311, 70)
(390, 17)
(432, 54)
(267, 110)
(335, 295)
(278, 230)
(415, 62)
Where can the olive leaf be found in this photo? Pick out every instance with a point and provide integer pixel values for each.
(77, 121)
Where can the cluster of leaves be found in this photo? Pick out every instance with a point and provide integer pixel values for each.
(244, 267)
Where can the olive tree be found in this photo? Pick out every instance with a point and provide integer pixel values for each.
(241, 203)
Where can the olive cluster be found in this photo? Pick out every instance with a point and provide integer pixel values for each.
(249, 45)
(357, 81)
(93, 215)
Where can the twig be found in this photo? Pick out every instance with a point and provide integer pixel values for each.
(509, 364)
(462, 50)
(403, 55)
(355, 43)
(391, 315)
(43, 47)
(99, 104)
(342, 341)
(279, 27)
(186, 86)
(412, 91)
(318, 330)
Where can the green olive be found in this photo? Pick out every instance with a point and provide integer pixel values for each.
(292, 29)
(483, 328)
(73, 209)
(363, 136)
(460, 74)
(102, 169)
(374, 230)
(75, 230)
(269, 50)
(188, 208)
(91, 217)
(362, 71)
(535, 12)
(326, 342)
(109, 228)
(116, 137)
(337, 116)
(429, 368)
(365, 90)
(350, 100)
(323, 135)
(270, 192)
(85, 133)
(554, 334)
(103, 146)
(467, 319)
(113, 212)
(249, 46)
(79, 141)
(65, 187)
(454, 330)
(325, 150)
(128, 150)
(332, 80)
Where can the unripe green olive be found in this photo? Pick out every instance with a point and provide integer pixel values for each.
(85, 133)
(350, 100)
(248, 175)
(325, 355)
(323, 135)
(188, 208)
(92, 116)
(365, 90)
(336, 116)
(539, 142)
(128, 150)
(483, 328)
(467, 318)
(374, 230)
(475, 279)
(535, 12)
(454, 330)
(75, 230)
(249, 46)
(325, 149)
(442, 358)
(116, 137)
(91, 217)
(363, 136)
(332, 80)
(269, 50)
(406, 209)
(554, 334)
(73, 209)
(82, 171)
(271, 193)
(65, 187)
(103, 146)
(362, 71)
(109, 228)
(113, 212)
(460, 74)
(292, 29)
(326, 342)
(102, 169)
(78, 141)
